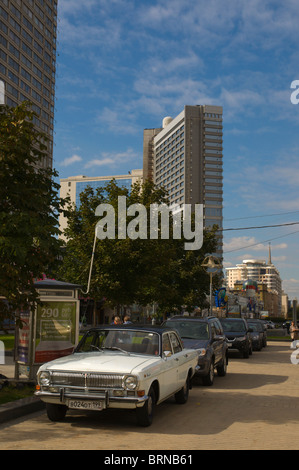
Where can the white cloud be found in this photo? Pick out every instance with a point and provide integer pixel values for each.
(112, 159)
(71, 160)
(118, 121)
(245, 242)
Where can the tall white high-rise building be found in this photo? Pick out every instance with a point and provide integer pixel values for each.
(185, 157)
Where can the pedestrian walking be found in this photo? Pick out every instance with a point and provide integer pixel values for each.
(294, 330)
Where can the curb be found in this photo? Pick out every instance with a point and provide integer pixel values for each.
(18, 408)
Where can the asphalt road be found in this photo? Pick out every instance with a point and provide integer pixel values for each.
(256, 406)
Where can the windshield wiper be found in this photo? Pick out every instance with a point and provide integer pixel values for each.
(92, 346)
(115, 348)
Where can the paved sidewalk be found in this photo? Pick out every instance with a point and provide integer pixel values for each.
(17, 408)
(8, 369)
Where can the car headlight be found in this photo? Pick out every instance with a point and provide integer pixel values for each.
(201, 352)
(130, 382)
(241, 338)
(44, 378)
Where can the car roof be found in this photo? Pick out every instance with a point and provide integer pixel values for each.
(231, 318)
(182, 317)
(136, 327)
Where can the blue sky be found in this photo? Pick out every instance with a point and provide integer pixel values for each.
(123, 65)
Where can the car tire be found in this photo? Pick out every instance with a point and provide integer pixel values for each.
(182, 395)
(209, 378)
(246, 353)
(222, 369)
(145, 413)
(56, 412)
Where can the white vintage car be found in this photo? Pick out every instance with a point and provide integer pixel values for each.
(119, 367)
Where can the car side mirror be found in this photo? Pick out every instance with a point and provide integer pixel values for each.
(166, 354)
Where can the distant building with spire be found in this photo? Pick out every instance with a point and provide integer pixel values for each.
(257, 270)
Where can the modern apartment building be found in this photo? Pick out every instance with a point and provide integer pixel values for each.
(185, 157)
(259, 271)
(28, 59)
(74, 185)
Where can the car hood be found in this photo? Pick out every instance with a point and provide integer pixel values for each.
(104, 362)
(195, 343)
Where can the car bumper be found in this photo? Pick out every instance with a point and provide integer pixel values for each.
(240, 345)
(256, 343)
(106, 398)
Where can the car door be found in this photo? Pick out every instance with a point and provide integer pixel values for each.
(181, 359)
(169, 372)
(216, 342)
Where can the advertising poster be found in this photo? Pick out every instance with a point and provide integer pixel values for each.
(55, 330)
(24, 337)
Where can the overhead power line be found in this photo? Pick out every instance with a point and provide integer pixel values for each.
(259, 243)
(257, 227)
(259, 216)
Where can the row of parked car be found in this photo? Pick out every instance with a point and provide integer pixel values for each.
(214, 337)
(138, 367)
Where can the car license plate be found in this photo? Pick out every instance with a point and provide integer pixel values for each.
(86, 405)
(229, 344)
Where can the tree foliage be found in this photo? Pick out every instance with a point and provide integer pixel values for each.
(126, 271)
(29, 208)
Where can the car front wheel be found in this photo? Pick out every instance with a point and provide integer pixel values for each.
(221, 370)
(145, 414)
(209, 378)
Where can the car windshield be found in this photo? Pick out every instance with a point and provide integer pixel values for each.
(233, 325)
(190, 329)
(128, 341)
(255, 326)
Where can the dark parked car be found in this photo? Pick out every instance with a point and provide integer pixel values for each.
(206, 335)
(262, 327)
(257, 335)
(237, 335)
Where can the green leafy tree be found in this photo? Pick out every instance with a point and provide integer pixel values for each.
(141, 270)
(29, 209)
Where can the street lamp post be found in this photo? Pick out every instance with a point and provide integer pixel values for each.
(213, 264)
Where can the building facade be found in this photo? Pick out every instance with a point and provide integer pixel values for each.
(185, 157)
(260, 272)
(28, 31)
(75, 185)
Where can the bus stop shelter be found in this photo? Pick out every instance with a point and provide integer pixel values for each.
(50, 330)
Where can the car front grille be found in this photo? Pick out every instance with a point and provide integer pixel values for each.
(89, 380)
